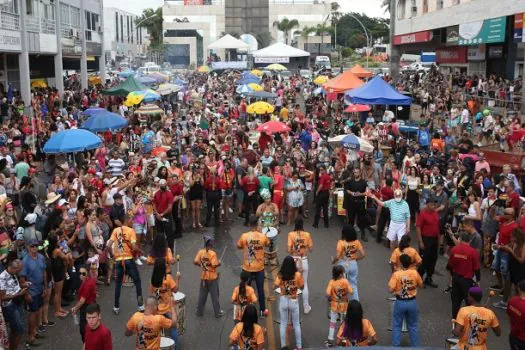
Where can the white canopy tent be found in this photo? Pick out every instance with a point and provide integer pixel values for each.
(228, 42)
(280, 50)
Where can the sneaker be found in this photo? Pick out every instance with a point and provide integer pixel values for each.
(219, 314)
(49, 324)
(143, 258)
(391, 298)
(138, 262)
(73, 269)
(500, 305)
(307, 309)
(140, 308)
(41, 329)
(328, 343)
(116, 310)
(496, 287)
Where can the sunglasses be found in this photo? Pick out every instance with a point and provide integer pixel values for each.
(83, 273)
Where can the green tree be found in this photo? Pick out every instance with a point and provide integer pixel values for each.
(286, 26)
(386, 5)
(264, 39)
(347, 52)
(305, 33)
(350, 33)
(152, 20)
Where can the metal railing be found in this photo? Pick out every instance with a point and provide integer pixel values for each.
(32, 24)
(48, 25)
(9, 21)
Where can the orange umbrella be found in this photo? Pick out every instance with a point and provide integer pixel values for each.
(360, 72)
(342, 83)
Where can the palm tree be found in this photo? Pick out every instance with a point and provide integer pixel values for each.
(264, 39)
(305, 33)
(285, 25)
(386, 5)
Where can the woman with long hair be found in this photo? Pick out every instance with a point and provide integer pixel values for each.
(337, 293)
(349, 250)
(196, 194)
(94, 236)
(58, 270)
(160, 250)
(247, 334)
(404, 248)
(411, 191)
(289, 280)
(242, 296)
(356, 330)
(162, 286)
(162, 173)
(473, 208)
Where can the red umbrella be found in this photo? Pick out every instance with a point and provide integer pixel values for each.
(272, 127)
(357, 108)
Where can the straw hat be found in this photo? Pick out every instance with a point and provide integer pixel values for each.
(52, 197)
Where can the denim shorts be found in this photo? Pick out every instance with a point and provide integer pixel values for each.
(37, 301)
(13, 314)
(501, 263)
(140, 229)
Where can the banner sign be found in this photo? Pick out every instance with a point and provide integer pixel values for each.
(412, 38)
(476, 53)
(452, 35)
(10, 40)
(483, 32)
(518, 28)
(451, 55)
(272, 59)
(229, 65)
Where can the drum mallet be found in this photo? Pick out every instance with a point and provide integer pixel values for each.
(177, 257)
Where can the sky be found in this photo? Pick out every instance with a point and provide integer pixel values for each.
(371, 8)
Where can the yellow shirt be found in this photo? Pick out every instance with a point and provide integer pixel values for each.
(291, 287)
(247, 343)
(476, 321)
(148, 329)
(208, 262)
(123, 237)
(348, 250)
(164, 294)
(368, 332)
(338, 291)
(253, 244)
(299, 243)
(404, 283)
(168, 257)
(284, 113)
(411, 252)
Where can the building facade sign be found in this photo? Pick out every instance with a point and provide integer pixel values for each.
(271, 59)
(229, 65)
(412, 38)
(476, 53)
(518, 28)
(452, 36)
(483, 32)
(496, 51)
(451, 55)
(10, 40)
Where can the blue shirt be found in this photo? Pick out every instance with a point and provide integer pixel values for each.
(423, 137)
(33, 271)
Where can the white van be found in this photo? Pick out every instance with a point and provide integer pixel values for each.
(323, 61)
(148, 70)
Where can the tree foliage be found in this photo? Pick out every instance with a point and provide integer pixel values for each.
(286, 26)
(350, 33)
(152, 20)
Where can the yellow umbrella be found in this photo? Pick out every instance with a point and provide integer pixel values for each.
(38, 84)
(257, 72)
(255, 87)
(94, 80)
(320, 80)
(260, 108)
(276, 66)
(203, 69)
(134, 98)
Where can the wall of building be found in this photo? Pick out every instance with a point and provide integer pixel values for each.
(306, 14)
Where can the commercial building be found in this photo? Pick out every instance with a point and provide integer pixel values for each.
(123, 40)
(39, 39)
(191, 25)
(473, 36)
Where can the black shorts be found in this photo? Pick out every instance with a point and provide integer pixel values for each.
(487, 133)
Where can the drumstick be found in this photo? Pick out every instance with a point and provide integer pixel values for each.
(178, 262)
(223, 251)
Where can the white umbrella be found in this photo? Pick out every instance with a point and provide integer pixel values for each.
(352, 142)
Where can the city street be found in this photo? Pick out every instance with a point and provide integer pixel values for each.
(210, 333)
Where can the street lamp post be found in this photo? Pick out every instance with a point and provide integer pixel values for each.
(368, 43)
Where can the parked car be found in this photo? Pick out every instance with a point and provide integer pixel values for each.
(305, 73)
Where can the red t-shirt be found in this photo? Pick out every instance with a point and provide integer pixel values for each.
(264, 141)
(88, 291)
(162, 200)
(325, 181)
(514, 201)
(505, 231)
(428, 223)
(464, 261)
(212, 183)
(250, 185)
(516, 312)
(98, 339)
(177, 189)
(386, 193)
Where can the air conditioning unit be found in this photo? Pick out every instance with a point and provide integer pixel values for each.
(76, 33)
(71, 33)
(414, 9)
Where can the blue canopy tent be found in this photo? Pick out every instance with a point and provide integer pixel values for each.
(146, 80)
(377, 92)
(261, 94)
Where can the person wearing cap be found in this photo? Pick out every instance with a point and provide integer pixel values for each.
(11, 185)
(208, 262)
(322, 195)
(212, 185)
(30, 231)
(427, 230)
(516, 312)
(473, 322)
(463, 264)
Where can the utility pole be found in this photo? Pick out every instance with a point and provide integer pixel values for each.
(394, 51)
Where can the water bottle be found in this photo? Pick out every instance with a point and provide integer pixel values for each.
(76, 318)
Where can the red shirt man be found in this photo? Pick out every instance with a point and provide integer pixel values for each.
(250, 184)
(428, 221)
(506, 226)
(96, 336)
(516, 312)
(463, 261)
(162, 199)
(325, 181)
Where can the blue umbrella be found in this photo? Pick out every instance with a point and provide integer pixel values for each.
(147, 80)
(246, 81)
(104, 121)
(126, 73)
(261, 94)
(355, 143)
(244, 89)
(249, 75)
(91, 111)
(179, 82)
(151, 96)
(72, 140)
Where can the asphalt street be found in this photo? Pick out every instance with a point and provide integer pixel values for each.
(210, 333)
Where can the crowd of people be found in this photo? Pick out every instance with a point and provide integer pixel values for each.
(70, 224)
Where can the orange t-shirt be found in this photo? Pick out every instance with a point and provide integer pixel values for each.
(290, 287)
(123, 237)
(208, 261)
(148, 329)
(348, 250)
(404, 283)
(244, 342)
(299, 243)
(338, 291)
(253, 244)
(476, 321)
(168, 257)
(368, 332)
(411, 252)
(242, 301)
(164, 294)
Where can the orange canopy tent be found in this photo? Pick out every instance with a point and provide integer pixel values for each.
(360, 72)
(343, 82)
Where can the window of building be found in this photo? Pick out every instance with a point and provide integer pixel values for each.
(91, 21)
(439, 4)
(425, 6)
(127, 27)
(47, 10)
(116, 24)
(74, 16)
(121, 28)
(10, 6)
(88, 35)
(131, 28)
(413, 8)
(401, 5)
(31, 7)
(64, 14)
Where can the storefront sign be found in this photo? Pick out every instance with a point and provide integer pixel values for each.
(476, 53)
(483, 32)
(451, 55)
(272, 59)
(10, 41)
(229, 65)
(412, 38)
(519, 19)
(496, 52)
(452, 35)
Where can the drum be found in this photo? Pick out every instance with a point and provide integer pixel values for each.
(238, 310)
(278, 291)
(166, 343)
(271, 233)
(451, 343)
(180, 308)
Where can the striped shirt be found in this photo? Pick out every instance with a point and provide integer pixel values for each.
(399, 211)
(116, 166)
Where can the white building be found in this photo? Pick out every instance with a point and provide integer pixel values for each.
(474, 36)
(123, 40)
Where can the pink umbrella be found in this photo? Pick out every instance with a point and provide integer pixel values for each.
(357, 108)
(272, 127)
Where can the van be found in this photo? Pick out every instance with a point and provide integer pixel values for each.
(148, 70)
(323, 61)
